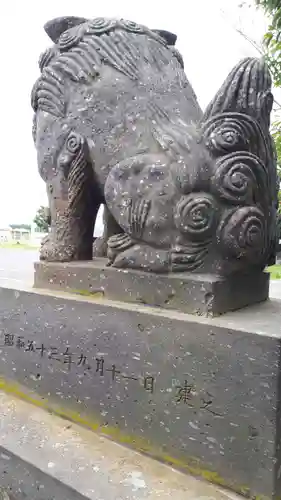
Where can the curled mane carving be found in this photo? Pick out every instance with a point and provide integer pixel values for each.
(82, 49)
(235, 129)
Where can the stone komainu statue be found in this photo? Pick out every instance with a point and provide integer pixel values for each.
(117, 123)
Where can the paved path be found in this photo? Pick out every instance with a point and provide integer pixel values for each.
(275, 289)
(22, 480)
(16, 268)
(47, 458)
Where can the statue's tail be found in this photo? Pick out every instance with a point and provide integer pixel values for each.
(247, 90)
(238, 120)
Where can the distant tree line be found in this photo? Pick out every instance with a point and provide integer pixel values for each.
(26, 227)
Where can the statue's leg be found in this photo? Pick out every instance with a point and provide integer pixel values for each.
(74, 203)
(70, 237)
(110, 228)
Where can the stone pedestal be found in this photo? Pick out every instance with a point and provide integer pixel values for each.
(202, 394)
(187, 292)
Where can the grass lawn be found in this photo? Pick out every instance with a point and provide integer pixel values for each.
(20, 246)
(275, 272)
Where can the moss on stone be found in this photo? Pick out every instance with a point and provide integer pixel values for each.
(190, 465)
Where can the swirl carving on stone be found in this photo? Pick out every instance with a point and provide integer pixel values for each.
(239, 178)
(70, 38)
(101, 25)
(242, 234)
(227, 137)
(72, 155)
(196, 215)
(131, 26)
(228, 132)
(73, 143)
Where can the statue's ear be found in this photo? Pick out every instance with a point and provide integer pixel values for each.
(59, 25)
(169, 37)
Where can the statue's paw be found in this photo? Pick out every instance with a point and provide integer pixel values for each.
(142, 257)
(55, 252)
(118, 244)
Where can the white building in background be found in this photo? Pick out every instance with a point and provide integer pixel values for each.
(5, 235)
(33, 236)
(16, 235)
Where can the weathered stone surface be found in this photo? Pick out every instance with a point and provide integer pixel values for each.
(202, 393)
(23, 480)
(77, 464)
(188, 292)
(117, 123)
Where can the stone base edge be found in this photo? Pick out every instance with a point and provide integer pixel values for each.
(201, 295)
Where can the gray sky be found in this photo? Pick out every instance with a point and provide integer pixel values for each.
(206, 38)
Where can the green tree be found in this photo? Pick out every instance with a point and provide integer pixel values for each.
(272, 39)
(272, 48)
(42, 219)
